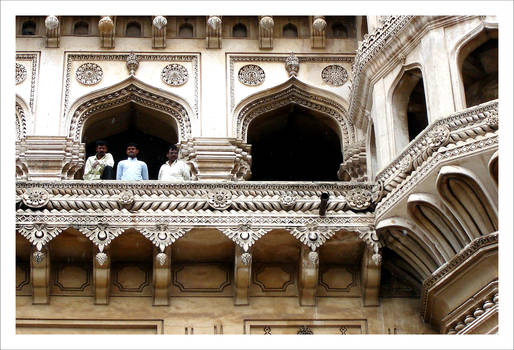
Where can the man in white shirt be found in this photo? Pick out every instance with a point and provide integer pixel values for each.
(132, 169)
(174, 169)
(99, 166)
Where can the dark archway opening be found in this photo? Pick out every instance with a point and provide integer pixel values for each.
(480, 74)
(417, 107)
(153, 131)
(293, 144)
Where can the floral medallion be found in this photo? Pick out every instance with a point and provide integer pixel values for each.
(21, 73)
(251, 75)
(174, 74)
(358, 198)
(89, 73)
(438, 137)
(126, 198)
(220, 199)
(334, 75)
(35, 198)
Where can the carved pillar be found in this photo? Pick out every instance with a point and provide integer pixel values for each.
(161, 276)
(370, 279)
(266, 25)
(308, 276)
(102, 276)
(242, 276)
(40, 275)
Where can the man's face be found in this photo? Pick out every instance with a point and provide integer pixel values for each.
(172, 155)
(132, 151)
(101, 150)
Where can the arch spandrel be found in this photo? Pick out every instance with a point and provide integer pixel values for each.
(130, 90)
(293, 91)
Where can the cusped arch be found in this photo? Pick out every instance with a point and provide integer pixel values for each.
(293, 91)
(21, 118)
(127, 91)
(467, 197)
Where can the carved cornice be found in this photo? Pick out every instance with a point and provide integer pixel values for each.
(155, 196)
(445, 270)
(33, 57)
(464, 133)
(141, 57)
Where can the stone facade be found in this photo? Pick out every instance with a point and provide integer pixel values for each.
(400, 236)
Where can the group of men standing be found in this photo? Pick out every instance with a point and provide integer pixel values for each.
(101, 166)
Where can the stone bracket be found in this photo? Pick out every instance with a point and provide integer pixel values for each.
(370, 279)
(102, 276)
(161, 276)
(40, 275)
(308, 276)
(242, 276)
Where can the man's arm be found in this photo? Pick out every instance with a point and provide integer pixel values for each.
(87, 170)
(160, 173)
(119, 171)
(186, 173)
(144, 170)
(109, 160)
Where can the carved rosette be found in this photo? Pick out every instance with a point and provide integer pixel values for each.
(377, 191)
(132, 63)
(21, 73)
(358, 198)
(162, 235)
(405, 164)
(35, 197)
(101, 234)
(174, 74)
(101, 258)
(492, 119)
(126, 198)
(89, 73)
(438, 137)
(246, 259)
(251, 75)
(39, 234)
(287, 201)
(334, 75)
(219, 199)
(266, 22)
(292, 65)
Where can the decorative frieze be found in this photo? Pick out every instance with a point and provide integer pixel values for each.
(33, 58)
(21, 73)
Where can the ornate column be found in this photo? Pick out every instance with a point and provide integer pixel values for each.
(308, 276)
(161, 276)
(370, 279)
(242, 276)
(40, 275)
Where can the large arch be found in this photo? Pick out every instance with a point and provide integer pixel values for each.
(293, 91)
(127, 91)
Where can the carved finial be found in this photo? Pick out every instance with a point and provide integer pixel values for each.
(161, 258)
(51, 22)
(319, 23)
(266, 22)
(159, 22)
(292, 65)
(246, 259)
(214, 22)
(105, 25)
(132, 63)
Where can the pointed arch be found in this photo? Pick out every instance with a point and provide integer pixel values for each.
(293, 91)
(129, 90)
(467, 197)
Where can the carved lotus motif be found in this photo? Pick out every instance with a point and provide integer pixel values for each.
(35, 198)
(159, 22)
(101, 258)
(292, 65)
(492, 119)
(220, 199)
(161, 258)
(314, 257)
(126, 198)
(287, 201)
(358, 198)
(438, 137)
(246, 259)
(405, 164)
(38, 257)
(89, 73)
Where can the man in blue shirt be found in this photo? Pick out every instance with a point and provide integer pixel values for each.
(132, 169)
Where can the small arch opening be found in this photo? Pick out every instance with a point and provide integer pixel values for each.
(290, 31)
(28, 28)
(81, 28)
(133, 29)
(339, 31)
(409, 107)
(294, 144)
(479, 71)
(185, 31)
(239, 31)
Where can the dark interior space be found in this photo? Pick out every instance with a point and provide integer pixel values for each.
(292, 144)
(417, 108)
